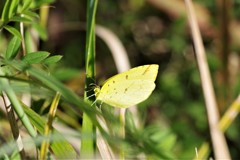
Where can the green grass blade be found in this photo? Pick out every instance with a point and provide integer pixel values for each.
(61, 149)
(87, 145)
(35, 57)
(13, 31)
(13, 8)
(26, 5)
(13, 48)
(16, 105)
(52, 59)
(6, 11)
(55, 85)
(48, 127)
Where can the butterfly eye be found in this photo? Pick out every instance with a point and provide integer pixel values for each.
(97, 91)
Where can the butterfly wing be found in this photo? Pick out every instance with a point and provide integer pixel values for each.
(130, 87)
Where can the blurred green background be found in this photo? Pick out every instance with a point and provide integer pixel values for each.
(157, 32)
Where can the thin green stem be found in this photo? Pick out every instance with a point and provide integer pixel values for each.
(87, 144)
(48, 127)
(16, 105)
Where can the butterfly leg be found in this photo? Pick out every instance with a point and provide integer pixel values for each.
(94, 102)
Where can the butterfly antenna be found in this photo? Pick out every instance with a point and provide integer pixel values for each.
(89, 90)
(92, 84)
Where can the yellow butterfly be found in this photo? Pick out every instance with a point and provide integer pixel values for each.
(128, 88)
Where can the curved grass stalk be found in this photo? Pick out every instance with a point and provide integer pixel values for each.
(48, 127)
(218, 140)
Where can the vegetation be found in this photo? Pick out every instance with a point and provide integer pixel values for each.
(53, 52)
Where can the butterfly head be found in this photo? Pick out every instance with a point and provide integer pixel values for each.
(97, 91)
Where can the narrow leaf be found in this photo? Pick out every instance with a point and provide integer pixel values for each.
(29, 42)
(13, 8)
(65, 73)
(13, 31)
(35, 57)
(26, 5)
(30, 14)
(13, 48)
(38, 4)
(49, 126)
(61, 149)
(6, 11)
(21, 19)
(52, 59)
(16, 104)
(41, 31)
(87, 145)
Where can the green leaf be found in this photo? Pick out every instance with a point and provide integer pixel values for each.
(1, 24)
(35, 57)
(13, 31)
(21, 19)
(54, 84)
(29, 41)
(41, 31)
(38, 4)
(10, 9)
(6, 11)
(13, 8)
(13, 48)
(26, 5)
(61, 149)
(16, 104)
(65, 73)
(52, 59)
(30, 14)
(87, 145)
